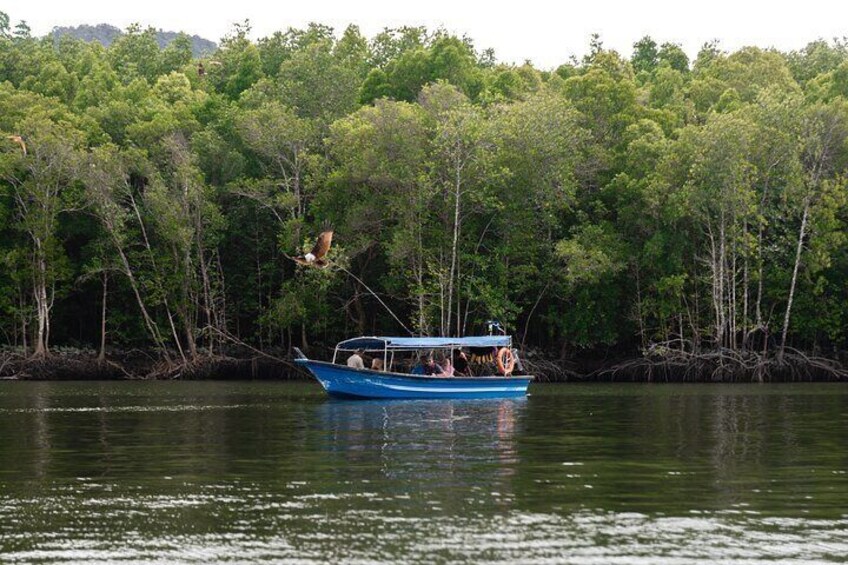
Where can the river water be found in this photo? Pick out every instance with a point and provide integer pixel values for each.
(199, 472)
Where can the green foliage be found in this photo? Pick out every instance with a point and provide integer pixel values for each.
(318, 84)
(136, 54)
(176, 55)
(237, 64)
(610, 201)
(674, 56)
(645, 55)
(817, 58)
(590, 255)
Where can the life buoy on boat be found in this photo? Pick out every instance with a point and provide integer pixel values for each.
(505, 360)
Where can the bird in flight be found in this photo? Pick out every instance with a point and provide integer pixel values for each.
(316, 257)
(20, 141)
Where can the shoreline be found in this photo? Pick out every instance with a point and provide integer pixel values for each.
(139, 365)
(72, 364)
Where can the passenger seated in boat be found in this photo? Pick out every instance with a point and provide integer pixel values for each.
(447, 368)
(355, 360)
(461, 367)
(430, 366)
(376, 364)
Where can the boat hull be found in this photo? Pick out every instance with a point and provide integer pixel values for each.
(345, 382)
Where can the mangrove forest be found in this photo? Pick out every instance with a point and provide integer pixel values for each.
(639, 215)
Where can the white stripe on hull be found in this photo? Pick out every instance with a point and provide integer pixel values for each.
(453, 389)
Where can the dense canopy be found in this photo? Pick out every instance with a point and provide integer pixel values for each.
(635, 205)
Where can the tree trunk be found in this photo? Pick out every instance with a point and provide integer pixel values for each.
(758, 311)
(40, 296)
(419, 274)
(716, 284)
(760, 229)
(798, 249)
(734, 303)
(208, 306)
(174, 334)
(722, 263)
(101, 356)
(745, 322)
(24, 331)
(188, 329)
(148, 321)
(219, 298)
(456, 209)
(639, 312)
(189, 306)
(149, 249)
(297, 190)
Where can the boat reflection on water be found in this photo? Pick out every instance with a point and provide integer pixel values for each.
(422, 441)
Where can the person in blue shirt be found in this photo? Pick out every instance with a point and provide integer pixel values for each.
(431, 367)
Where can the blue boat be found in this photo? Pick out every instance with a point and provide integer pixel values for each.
(340, 380)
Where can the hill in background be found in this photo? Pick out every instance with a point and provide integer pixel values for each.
(106, 34)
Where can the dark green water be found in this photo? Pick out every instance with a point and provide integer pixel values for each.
(247, 472)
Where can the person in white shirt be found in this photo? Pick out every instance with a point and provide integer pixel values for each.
(355, 360)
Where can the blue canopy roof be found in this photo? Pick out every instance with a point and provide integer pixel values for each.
(378, 343)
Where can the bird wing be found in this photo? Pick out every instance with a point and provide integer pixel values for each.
(323, 244)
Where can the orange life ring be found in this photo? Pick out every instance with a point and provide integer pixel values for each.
(505, 360)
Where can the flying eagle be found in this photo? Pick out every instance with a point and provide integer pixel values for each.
(315, 258)
(20, 141)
